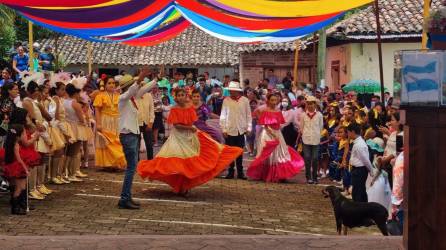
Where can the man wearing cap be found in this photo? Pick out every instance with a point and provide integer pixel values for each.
(129, 130)
(235, 122)
(311, 125)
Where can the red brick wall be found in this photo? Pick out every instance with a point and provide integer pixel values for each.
(254, 65)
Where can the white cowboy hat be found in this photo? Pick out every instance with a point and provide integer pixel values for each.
(234, 86)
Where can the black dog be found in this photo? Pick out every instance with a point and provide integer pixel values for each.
(355, 214)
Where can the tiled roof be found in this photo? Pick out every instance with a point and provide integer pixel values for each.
(192, 47)
(399, 18)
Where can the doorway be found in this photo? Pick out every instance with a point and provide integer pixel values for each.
(335, 74)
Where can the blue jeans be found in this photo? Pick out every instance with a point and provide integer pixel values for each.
(130, 143)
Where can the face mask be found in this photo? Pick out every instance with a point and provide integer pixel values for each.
(285, 104)
(372, 104)
(95, 76)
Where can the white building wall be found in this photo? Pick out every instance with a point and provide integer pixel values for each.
(365, 63)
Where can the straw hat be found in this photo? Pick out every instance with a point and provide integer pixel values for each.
(234, 86)
(126, 81)
(311, 99)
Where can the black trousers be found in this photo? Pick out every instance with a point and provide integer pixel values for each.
(236, 141)
(359, 177)
(148, 140)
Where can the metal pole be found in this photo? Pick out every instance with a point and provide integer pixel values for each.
(30, 45)
(27, 194)
(380, 53)
(314, 57)
(427, 5)
(89, 55)
(56, 50)
(321, 57)
(296, 61)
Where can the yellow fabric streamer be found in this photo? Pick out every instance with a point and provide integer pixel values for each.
(109, 3)
(294, 8)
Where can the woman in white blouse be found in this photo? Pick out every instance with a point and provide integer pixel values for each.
(390, 151)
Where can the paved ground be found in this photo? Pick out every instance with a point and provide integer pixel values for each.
(201, 242)
(221, 207)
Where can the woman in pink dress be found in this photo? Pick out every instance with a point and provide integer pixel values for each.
(275, 161)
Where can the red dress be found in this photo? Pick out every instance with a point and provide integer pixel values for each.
(187, 159)
(275, 161)
(28, 154)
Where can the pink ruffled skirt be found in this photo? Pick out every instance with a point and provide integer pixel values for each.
(275, 161)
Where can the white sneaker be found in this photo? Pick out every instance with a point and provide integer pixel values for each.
(81, 175)
(74, 179)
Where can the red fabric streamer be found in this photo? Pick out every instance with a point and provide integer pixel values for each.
(148, 11)
(251, 23)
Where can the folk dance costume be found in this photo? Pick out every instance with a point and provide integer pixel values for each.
(109, 151)
(28, 154)
(58, 141)
(275, 161)
(80, 134)
(337, 155)
(58, 160)
(38, 190)
(129, 132)
(203, 115)
(235, 122)
(187, 159)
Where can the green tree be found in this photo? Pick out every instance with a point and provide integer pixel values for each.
(21, 25)
(7, 31)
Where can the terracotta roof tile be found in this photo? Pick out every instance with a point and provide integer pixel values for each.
(192, 47)
(398, 18)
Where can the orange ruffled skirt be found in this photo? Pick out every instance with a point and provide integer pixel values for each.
(188, 160)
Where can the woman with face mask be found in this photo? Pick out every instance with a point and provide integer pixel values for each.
(290, 127)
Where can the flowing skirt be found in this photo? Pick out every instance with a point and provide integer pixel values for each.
(80, 132)
(213, 132)
(15, 170)
(275, 160)
(108, 151)
(187, 160)
(66, 130)
(57, 138)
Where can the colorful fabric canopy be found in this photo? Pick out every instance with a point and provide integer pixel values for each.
(149, 22)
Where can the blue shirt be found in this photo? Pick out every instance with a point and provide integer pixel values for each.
(22, 62)
(49, 58)
(2, 82)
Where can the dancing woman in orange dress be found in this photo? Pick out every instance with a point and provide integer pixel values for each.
(189, 157)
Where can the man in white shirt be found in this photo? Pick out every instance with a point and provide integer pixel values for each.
(235, 122)
(311, 125)
(146, 117)
(129, 130)
(360, 162)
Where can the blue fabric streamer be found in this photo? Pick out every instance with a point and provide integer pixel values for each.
(227, 30)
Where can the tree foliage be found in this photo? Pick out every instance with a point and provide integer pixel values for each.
(14, 28)
(7, 31)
